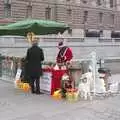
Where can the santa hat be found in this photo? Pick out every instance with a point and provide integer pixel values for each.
(60, 44)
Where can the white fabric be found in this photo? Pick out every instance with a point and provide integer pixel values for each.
(114, 87)
(100, 86)
(17, 77)
(65, 77)
(84, 89)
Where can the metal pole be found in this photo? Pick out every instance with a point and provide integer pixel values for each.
(94, 61)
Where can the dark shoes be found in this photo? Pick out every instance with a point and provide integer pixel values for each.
(33, 92)
(38, 92)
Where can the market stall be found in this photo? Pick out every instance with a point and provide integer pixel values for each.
(30, 28)
(51, 80)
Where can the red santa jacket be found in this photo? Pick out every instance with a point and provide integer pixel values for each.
(65, 54)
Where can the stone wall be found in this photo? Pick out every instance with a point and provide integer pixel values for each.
(82, 47)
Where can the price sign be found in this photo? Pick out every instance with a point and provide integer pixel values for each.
(45, 82)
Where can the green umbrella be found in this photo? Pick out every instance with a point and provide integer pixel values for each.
(38, 27)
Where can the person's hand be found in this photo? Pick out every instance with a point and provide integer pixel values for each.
(67, 62)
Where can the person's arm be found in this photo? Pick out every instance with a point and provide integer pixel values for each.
(27, 56)
(68, 55)
(58, 59)
(42, 55)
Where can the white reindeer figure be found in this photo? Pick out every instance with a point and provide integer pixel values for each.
(84, 87)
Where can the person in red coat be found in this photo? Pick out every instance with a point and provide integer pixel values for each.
(64, 55)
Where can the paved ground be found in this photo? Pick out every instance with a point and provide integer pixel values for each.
(15, 105)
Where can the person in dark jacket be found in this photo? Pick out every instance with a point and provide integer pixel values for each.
(34, 58)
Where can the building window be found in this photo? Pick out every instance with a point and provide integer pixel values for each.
(29, 11)
(112, 17)
(84, 1)
(111, 3)
(99, 2)
(48, 13)
(7, 10)
(69, 13)
(100, 17)
(85, 17)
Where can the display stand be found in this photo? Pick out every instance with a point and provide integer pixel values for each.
(51, 80)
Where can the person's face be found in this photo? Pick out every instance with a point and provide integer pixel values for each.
(35, 42)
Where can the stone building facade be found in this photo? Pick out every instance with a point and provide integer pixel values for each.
(99, 18)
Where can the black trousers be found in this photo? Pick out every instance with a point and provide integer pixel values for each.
(35, 84)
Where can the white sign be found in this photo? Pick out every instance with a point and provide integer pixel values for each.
(17, 77)
(45, 82)
(18, 74)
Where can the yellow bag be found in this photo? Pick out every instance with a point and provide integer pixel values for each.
(72, 96)
(57, 95)
(76, 96)
(25, 87)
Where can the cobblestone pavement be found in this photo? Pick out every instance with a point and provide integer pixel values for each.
(16, 105)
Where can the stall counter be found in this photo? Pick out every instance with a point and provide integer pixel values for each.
(51, 80)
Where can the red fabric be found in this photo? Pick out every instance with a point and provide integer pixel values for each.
(67, 56)
(56, 78)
